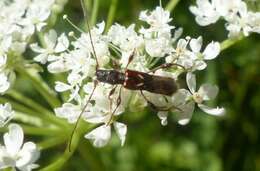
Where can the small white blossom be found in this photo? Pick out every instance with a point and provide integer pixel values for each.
(239, 19)
(206, 92)
(205, 12)
(53, 45)
(158, 21)
(4, 83)
(239, 23)
(15, 154)
(68, 111)
(6, 113)
(102, 134)
(211, 51)
(37, 14)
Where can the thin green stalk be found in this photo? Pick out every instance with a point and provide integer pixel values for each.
(93, 161)
(40, 86)
(171, 5)
(58, 164)
(24, 109)
(230, 42)
(94, 13)
(27, 101)
(46, 131)
(111, 14)
(51, 142)
(35, 106)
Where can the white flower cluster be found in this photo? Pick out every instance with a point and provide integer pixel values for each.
(15, 154)
(239, 19)
(150, 47)
(18, 21)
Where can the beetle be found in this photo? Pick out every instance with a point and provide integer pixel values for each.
(129, 79)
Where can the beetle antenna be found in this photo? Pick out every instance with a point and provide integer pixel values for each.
(81, 113)
(90, 35)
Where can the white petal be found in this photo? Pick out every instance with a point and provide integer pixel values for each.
(211, 51)
(57, 67)
(42, 58)
(13, 140)
(163, 117)
(195, 44)
(4, 83)
(200, 65)
(121, 130)
(36, 48)
(100, 135)
(50, 39)
(100, 27)
(28, 155)
(182, 43)
(208, 91)
(191, 82)
(61, 87)
(68, 111)
(39, 26)
(181, 99)
(212, 111)
(186, 112)
(177, 34)
(63, 43)
(6, 114)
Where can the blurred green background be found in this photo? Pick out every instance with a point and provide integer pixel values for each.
(206, 144)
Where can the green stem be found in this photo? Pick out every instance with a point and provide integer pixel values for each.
(93, 19)
(24, 109)
(93, 161)
(35, 106)
(229, 42)
(171, 5)
(27, 101)
(46, 131)
(51, 142)
(111, 14)
(40, 86)
(58, 164)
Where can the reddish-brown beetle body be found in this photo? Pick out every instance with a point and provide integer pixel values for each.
(135, 80)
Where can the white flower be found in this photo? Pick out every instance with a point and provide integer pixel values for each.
(102, 134)
(99, 41)
(15, 154)
(158, 21)
(53, 45)
(158, 47)
(205, 12)
(4, 83)
(74, 81)
(239, 23)
(239, 19)
(6, 114)
(126, 38)
(211, 51)
(37, 13)
(189, 98)
(254, 21)
(68, 111)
